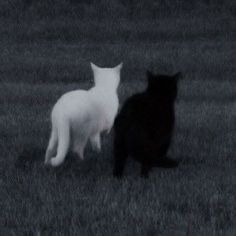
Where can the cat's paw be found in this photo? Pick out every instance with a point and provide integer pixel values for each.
(144, 175)
(108, 130)
(96, 147)
(117, 174)
(55, 162)
(167, 162)
(46, 162)
(145, 171)
(96, 142)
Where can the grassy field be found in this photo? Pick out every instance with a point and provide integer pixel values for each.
(82, 198)
(42, 58)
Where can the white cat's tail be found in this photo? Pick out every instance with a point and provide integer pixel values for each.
(63, 131)
(52, 145)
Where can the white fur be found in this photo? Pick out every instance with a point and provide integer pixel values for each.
(80, 115)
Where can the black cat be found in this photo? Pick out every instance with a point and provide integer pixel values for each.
(144, 126)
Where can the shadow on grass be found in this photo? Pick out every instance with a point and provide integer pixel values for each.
(98, 165)
(29, 157)
(94, 165)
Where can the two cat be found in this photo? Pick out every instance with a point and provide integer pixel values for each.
(144, 126)
(81, 115)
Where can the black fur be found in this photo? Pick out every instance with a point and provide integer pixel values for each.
(144, 126)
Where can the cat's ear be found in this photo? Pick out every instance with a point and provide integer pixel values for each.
(178, 76)
(93, 66)
(119, 67)
(150, 78)
(149, 74)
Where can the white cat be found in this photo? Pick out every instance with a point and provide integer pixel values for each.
(80, 115)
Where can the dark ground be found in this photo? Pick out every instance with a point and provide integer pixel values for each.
(45, 51)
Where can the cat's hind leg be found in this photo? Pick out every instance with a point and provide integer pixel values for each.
(52, 145)
(63, 143)
(79, 146)
(166, 162)
(163, 159)
(145, 168)
(79, 149)
(95, 141)
(120, 156)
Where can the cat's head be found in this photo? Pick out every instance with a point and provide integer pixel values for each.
(106, 77)
(163, 85)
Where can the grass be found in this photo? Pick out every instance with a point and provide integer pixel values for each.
(65, 62)
(82, 197)
(44, 55)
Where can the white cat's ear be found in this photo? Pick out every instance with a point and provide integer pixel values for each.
(93, 66)
(119, 67)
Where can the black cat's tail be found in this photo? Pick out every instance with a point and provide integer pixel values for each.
(166, 163)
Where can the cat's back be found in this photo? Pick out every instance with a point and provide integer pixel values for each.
(79, 93)
(134, 101)
(104, 100)
(71, 101)
(136, 105)
(132, 109)
(146, 106)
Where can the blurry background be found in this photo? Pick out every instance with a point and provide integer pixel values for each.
(53, 40)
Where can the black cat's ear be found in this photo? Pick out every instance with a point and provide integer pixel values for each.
(149, 74)
(150, 78)
(178, 76)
